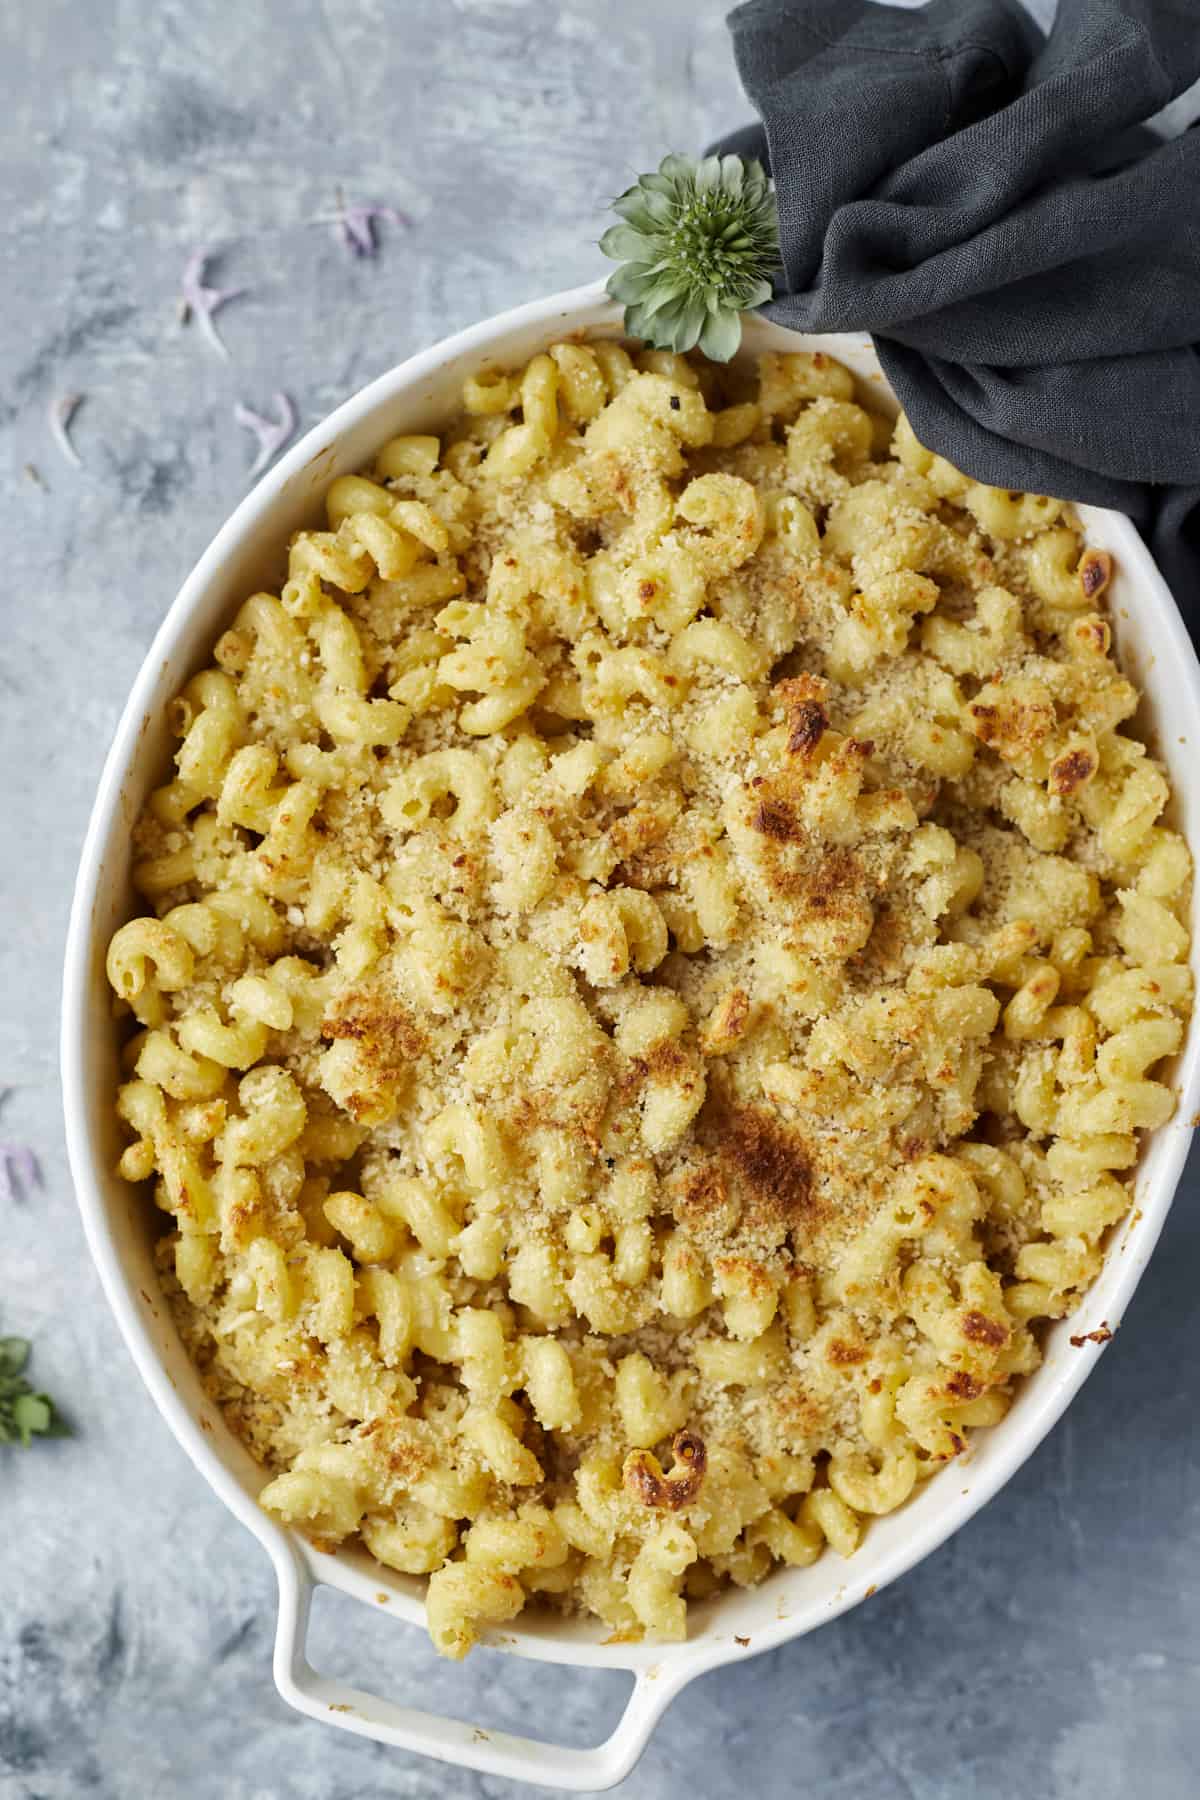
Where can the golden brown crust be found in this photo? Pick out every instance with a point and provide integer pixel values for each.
(981, 1330)
(775, 819)
(771, 1167)
(643, 1476)
(1095, 572)
(727, 1025)
(1102, 1335)
(1071, 771)
(1014, 725)
(807, 720)
(387, 1036)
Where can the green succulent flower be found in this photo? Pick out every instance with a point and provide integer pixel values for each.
(696, 249)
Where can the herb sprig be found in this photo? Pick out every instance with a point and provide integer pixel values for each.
(697, 246)
(24, 1414)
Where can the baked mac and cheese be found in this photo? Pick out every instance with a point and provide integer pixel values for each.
(660, 939)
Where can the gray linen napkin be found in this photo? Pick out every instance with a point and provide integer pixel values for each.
(986, 202)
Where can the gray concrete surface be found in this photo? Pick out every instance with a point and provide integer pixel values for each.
(1053, 1648)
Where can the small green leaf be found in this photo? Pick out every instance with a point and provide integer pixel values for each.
(757, 295)
(24, 1414)
(32, 1413)
(640, 325)
(630, 205)
(624, 243)
(708, 174)
(630, 283)
(663, 294)
(659, 206)
(756, 183)
(695, 313)
(721, 336)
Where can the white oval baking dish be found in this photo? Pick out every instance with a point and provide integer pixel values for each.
(417, 396)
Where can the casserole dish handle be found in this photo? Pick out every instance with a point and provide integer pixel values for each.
(490, 1752)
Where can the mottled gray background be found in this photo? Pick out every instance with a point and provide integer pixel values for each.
(1053, 1647)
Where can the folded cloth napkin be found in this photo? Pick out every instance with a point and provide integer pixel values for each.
(986, 202)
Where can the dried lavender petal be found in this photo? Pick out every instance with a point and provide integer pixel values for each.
(354, 226)
(202, 301)
(18, 1161)
(272, 434)
(62, 411)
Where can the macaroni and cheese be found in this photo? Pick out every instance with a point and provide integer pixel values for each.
(659, 944)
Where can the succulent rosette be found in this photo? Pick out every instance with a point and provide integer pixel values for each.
(697, 246)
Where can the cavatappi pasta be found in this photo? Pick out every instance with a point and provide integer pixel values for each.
(660, 948)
